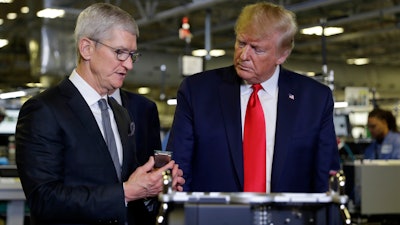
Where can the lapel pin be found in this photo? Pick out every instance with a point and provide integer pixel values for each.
(291, 96)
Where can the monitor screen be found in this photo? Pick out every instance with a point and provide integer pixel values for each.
(9, 123)
(342, 125)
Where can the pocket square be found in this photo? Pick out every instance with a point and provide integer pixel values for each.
(131, 129)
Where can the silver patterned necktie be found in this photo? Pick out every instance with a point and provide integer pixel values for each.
(109, 136)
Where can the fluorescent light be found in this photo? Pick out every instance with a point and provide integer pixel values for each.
(358, 61)
(50, 13)
(217, 52)
(11, 16)
(3, 42)
(199, 52)
(6, 1)
(172, 101)
(317, 30)
(341, 105)
(33, 85)
(25, 9)
(14, 94)
(143, 90)
(310, 74)
(213, 52)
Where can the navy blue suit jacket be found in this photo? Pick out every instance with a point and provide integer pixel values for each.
(206, 135)
(143, 112)
(64, 164)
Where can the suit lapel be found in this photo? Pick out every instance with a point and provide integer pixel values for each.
(124, 124)
(83, 113)
(286, 108)
(229, 94)
(85, 116)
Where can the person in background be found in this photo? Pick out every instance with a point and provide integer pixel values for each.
(383, 128)
(146, 125)
(208, 133)
(144, 113)
(67, 169)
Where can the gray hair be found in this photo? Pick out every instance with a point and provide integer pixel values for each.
(98, 20)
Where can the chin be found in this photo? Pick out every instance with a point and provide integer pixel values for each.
(244, 74)
(118, 85)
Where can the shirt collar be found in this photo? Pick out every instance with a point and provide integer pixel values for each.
(269, 86)
(117, 96)
(88, 93)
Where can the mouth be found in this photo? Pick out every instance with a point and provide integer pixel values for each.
(123, 74)
(243, 67)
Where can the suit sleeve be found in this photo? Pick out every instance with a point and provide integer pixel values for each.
(328, 158)
(181, 139)
(52, 193)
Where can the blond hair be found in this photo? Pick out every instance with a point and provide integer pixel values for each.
(266, 18)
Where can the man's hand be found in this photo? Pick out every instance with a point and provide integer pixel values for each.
(147, 182)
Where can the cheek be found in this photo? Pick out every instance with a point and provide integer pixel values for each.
(236, 55)
(109, 67)
(262, 66)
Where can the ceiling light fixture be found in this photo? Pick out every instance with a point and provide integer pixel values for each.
(199, 52)
(11, 16)
(144, 90)
(172, 101)
(341, 105)
(311, 74)
(3, 42)
(6, 1)
(358, 61)
(50, 13)
(317, 30)
(217, 52)
(34, 85)
(213, 52)
(14, 94)
(25, 9)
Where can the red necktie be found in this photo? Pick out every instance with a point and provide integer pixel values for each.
(254, 145)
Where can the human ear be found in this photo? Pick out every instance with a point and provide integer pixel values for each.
(283, 56)
(85, 48)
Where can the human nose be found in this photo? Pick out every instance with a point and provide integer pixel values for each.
(244, 52)
(128, 63)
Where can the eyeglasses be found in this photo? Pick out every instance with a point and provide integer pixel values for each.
(122, 55)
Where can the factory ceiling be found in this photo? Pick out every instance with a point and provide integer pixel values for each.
(371, 29)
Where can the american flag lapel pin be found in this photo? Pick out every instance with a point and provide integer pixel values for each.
(291, 96)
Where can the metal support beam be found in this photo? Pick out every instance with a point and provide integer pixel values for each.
(207, 35)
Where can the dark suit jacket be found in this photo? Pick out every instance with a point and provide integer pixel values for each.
(206, 135)
(64, 165)
(143, 112)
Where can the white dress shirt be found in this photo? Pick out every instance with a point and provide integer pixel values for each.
(92, 97)
(117, 96)
(269, 101)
